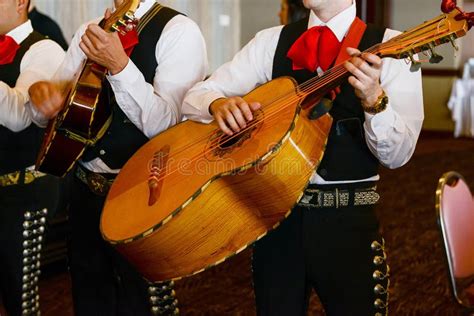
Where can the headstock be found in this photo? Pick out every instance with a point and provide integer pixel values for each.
(122, 19)
(445, 28)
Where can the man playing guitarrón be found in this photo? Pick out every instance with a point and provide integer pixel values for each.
(148, 89)
(330, 242)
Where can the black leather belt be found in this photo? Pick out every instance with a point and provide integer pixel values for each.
(336, 198)
(98, 183)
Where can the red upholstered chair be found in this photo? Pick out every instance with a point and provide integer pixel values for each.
(455, 210)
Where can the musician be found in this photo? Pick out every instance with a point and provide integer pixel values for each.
(330, 242)
(46, 26)
(147, 90)
(25, 195)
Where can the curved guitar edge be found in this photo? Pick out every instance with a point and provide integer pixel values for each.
(262, 160)
(182, 207)
(152, 279)
(145, 251)
(56, 161)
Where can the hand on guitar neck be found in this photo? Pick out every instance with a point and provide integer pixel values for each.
(366, 70)
(104, 48)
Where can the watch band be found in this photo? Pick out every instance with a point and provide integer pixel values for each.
(379, 106)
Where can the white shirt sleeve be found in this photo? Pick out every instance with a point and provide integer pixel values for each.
(392, 134)
(39, 63)
(182, 61)
(251, 67)
(66, 72)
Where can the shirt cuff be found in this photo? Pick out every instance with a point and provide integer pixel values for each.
(128, 75)
(379, 125)
(207, 100)
(36, 116)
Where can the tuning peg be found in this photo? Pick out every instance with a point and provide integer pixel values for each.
(129, 16)
(115, 27)
(415, 65)
(122, 22)
(119, 29)
(435, 58)
(452, 39)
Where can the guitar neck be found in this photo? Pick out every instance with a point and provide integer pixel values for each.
(444, 28)
(330, 79)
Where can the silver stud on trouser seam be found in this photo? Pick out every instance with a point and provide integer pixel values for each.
(378, 260)
(34, 227)
(376, 246)
(381, 276)
(380, 304)
(379, 289)
(162, 299)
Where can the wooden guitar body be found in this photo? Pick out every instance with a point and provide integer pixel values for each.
(82, 121)
(86, 113)
(192, 197)
(213, 196)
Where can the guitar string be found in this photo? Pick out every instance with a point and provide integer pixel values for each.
(270, 118)
(336, 73)
(309, 83)
(308, 87)
(385, 46)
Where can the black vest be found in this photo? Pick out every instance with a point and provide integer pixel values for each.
(347, 156)
(123, 138)
(18, 150)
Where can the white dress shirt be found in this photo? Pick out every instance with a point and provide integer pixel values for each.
(391, 135)
(40, 62)
(182, 61)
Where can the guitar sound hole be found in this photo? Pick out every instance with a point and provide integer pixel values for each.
(221, 144)
(230, 141)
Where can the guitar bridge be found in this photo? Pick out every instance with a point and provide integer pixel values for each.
(157, 167)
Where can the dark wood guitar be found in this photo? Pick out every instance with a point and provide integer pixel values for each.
(86, 115)
(193, 197)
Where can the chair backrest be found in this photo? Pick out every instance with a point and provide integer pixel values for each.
(455, 208)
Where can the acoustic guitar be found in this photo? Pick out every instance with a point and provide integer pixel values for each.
(193, 196)
(86, 115)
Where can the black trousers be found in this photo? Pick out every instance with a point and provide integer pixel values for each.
(326, 249)
(15, 200)
(103, 282)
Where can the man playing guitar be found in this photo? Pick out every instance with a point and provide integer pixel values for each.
(330, 242)
(25, 195)
(146, 91)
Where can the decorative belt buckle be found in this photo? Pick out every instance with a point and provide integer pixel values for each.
(10, 179)
(31, 176)
(98, 184)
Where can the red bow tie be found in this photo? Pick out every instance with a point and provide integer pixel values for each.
(129, 41)
(8, 49)
(317, 47)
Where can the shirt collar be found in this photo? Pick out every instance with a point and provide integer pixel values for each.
(21, 32)
(144, 7)
(340, 24)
